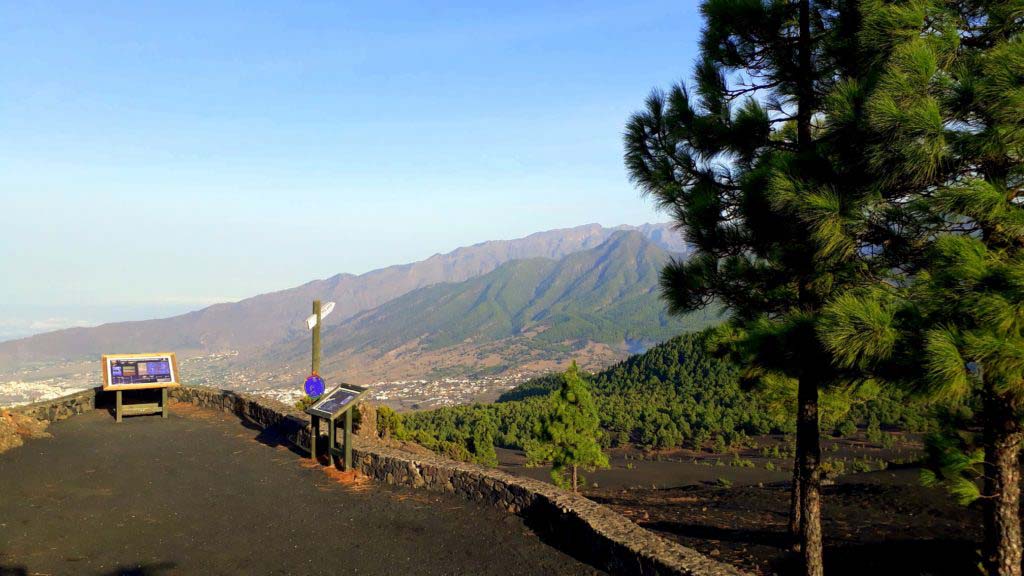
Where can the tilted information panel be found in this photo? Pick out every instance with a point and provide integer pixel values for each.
(336, 401)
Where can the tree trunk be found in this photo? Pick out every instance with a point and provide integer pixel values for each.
(575, 479)
(805, 81)
(794, 506)
(808, 450)
(1003, 438)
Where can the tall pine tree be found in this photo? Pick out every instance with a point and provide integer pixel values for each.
(762, 169)
(948, 123)
(567, 435)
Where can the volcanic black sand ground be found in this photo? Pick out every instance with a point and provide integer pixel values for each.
(881, 523)
(877, 523)
(199, 493)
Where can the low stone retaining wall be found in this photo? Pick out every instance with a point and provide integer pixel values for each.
(61, 408)
(263, 412)
(572, 523)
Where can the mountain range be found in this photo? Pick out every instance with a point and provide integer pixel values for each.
(594, 305)
(543, 296)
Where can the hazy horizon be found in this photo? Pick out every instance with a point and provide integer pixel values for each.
(24, 321)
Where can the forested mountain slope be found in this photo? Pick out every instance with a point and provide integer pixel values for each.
(678, 394)
(606, 294)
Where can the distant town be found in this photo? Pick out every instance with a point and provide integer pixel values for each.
(45, 382)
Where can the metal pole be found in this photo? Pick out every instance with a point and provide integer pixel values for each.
(314, 431)
(163, 402)
(348, 439)
(316, 338)
(117, 409)
(332, 436)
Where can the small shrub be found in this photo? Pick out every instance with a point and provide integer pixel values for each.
(874, 430)
(719, 446)
(389, 424)
(832, 469)
(769, 466)
(846, 428)
(622, 438)
(861, 465)
(724, 482)
(305, 402)
(888, 441)
(741, 462)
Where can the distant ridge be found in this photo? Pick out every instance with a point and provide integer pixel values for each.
(268, 319)
(595, 305)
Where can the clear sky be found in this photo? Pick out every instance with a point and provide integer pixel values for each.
(159, 157)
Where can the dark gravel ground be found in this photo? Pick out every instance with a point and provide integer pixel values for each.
(881, 523)
(199, 493)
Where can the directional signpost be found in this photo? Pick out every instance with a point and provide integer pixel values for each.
(332, 405)
(314, 319)
(313, 323)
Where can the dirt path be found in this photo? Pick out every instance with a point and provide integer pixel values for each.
(199, 493)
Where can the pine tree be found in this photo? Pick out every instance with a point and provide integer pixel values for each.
(948, 122)
(485, 429)
(567, 435)
(762, 169)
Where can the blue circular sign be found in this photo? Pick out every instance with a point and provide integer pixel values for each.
(314, 386)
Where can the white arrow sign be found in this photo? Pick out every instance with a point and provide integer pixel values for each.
(324, 311)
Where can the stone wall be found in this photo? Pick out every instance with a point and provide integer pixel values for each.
(262, 412)
(572, 523)
(61, 408)
(568, 521)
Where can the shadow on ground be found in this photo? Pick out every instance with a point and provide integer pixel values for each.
(145, 570)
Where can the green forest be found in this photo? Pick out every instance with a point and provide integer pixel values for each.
(680, 393)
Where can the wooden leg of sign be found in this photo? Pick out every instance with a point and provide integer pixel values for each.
(348, 440)
(117, 407)
(163, 402)
(314, 431)
(332, 436)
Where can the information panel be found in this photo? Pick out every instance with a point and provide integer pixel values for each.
(336, 401)
(131, 371)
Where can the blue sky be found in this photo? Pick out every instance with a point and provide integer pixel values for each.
(155, 158)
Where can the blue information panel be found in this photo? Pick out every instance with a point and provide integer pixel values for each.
(139, 370)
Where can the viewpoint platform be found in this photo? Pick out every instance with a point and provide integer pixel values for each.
(201, 493)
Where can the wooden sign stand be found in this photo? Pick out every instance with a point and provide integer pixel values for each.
(332, 406)
(333, 451)
(122, 409)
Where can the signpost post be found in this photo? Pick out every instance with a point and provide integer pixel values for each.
(316, 336)
(140, 371)
(313, 322)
